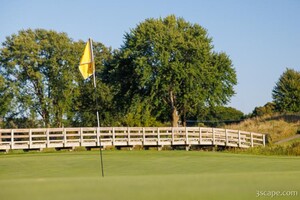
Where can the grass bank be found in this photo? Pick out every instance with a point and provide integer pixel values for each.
(277, 126)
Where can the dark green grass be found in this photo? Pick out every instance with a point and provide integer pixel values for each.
(145, 175)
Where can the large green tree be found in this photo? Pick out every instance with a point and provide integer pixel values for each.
(169, 66)
(286, 93)
(39, 64)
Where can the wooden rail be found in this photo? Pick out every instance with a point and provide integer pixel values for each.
(89, 137)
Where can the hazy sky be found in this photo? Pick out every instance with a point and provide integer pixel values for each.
(262, 37)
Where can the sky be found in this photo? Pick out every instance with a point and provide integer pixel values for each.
(261, 37)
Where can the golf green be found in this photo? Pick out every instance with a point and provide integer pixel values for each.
(147, 175)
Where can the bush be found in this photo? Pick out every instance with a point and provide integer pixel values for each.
(294, 149)
(267, 109)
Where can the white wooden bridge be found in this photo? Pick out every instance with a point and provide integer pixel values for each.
(90, 137)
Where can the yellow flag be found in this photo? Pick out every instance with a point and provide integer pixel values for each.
(86, 66)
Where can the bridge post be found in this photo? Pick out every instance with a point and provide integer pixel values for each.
(172, 135)
(251, 139)
(187, 147)
(114, 136)
(226, 137)
(158, 136)
(186, 136)
(214, 136)
(200, 135)
(81, 136)
(159, 148)
(128, 136)
(12, 140)
(144, 137)
(65, 137)
(30, 138)
(48, 138)
(239, 138)
(98, 136)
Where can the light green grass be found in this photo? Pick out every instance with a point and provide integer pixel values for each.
(143, 175)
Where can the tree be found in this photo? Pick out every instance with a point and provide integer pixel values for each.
(39, 64)
(225, 114)
(169, 64)
(219, 116)
(286, 93)
(267, 109)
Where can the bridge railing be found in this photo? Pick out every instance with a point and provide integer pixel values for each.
(39, 138)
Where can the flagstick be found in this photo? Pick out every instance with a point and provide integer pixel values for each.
(95, 90)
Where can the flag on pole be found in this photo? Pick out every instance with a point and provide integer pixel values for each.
(87, 66)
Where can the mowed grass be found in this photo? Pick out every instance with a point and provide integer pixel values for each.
(143, 175)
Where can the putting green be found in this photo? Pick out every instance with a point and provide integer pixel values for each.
(145, 175)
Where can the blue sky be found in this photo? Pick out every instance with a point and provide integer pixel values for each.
(262, 37)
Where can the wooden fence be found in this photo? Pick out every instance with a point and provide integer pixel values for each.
(40, 138)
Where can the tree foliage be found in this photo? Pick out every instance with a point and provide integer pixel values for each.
(6, 97)
(165, 71)
(170, 66)
(41, 69)
(286, 93)
(225, 114)
(267, 109)
(40, 65)
(220, 115)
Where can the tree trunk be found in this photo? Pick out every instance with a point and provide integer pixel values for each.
(184, 116)
(175, 116)
(46, 118)
(44, 109)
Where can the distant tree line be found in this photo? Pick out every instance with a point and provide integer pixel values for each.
(166, 72)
